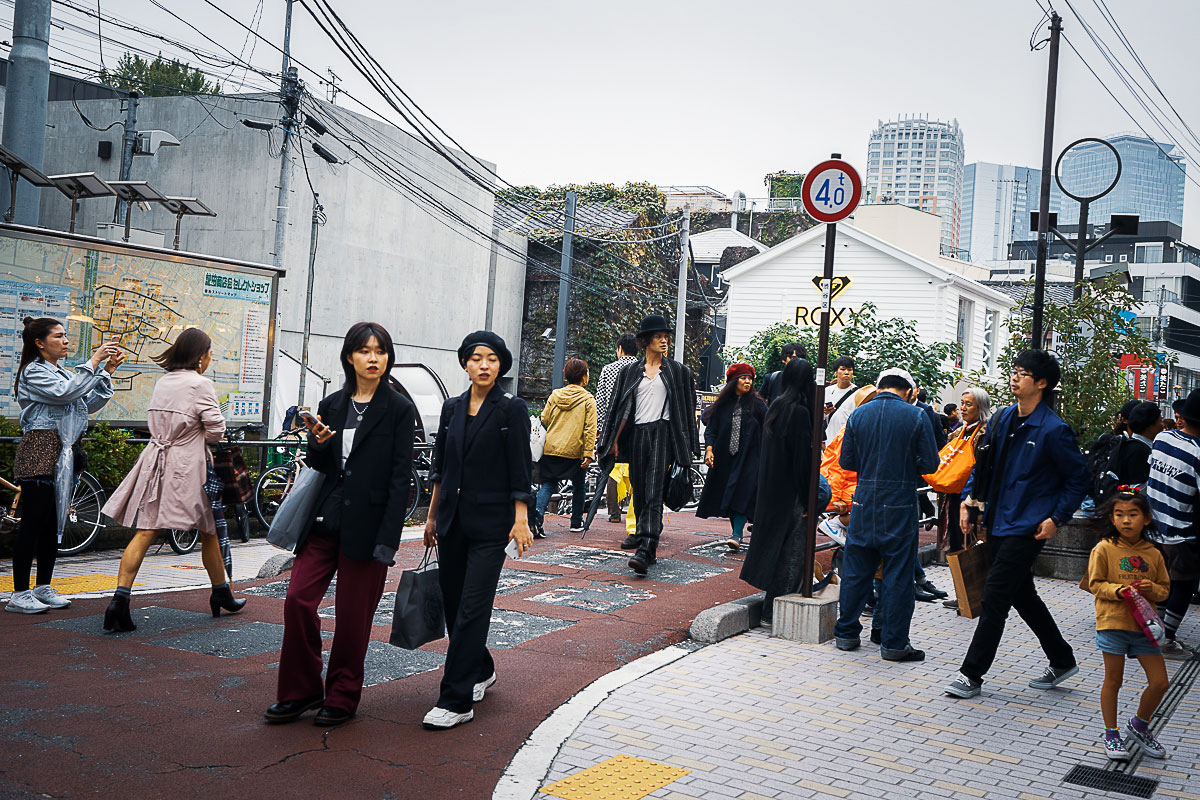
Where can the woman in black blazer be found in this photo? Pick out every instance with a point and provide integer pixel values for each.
(481, 492)
(362, 440)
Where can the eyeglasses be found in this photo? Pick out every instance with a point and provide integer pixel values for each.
(1019, 373)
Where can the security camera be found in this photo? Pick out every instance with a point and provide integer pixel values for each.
(148, 142)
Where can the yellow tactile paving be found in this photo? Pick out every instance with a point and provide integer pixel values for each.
(73, 584)
(619, 778)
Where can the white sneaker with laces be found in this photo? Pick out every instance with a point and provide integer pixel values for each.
(25, 603)
(834, 529)
(441, 719)
(482, 687)
(49, 596)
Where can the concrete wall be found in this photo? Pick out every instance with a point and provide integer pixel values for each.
(380, 256)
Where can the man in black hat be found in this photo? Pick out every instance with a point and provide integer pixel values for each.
(651, 424)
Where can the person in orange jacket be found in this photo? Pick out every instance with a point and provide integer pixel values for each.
(842, 481)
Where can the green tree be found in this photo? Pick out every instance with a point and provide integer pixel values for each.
(158, 78)
(1089, 337)
(874, 343)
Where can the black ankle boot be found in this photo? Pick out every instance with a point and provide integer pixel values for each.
(116, 616)
(222, 597)
(644, 557)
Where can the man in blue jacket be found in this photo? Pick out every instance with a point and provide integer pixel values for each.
(889, 443)
(1037, 480)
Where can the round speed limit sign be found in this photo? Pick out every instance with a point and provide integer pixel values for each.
(831, 191)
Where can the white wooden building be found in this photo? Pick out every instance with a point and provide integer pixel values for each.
(781, 284)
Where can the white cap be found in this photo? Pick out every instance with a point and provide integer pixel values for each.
(902, 373)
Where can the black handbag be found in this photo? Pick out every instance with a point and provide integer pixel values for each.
(677, 487)
(419, 616)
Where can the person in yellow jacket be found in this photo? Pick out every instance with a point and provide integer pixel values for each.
(570, 421)
(1123, 561)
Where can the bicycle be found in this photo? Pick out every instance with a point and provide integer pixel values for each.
(83, 516)
(274, 484)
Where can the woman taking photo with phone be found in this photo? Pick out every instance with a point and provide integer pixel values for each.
(481, 465)
(362, 441)
(55, 405)
(165, 488)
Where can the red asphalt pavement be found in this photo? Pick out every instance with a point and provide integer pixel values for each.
(155, 713)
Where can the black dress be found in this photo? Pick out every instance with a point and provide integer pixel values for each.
(786, 467)
(731, 485)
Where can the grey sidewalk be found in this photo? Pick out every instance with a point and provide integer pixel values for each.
(756, 717)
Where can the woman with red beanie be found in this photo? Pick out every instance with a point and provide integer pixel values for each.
(732, 437)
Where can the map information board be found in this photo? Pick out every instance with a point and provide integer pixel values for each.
(144, 298)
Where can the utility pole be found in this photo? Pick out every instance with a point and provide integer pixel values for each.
(287, 95)
(128, 140)
(25, 99)
(1043, 243)
(564, 292)
(317, 210)
(681, 292)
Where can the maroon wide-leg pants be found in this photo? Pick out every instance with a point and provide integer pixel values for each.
(359, 587)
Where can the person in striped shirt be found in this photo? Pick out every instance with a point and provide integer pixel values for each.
(1174, 497)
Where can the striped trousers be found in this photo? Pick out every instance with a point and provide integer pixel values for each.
(648, 464)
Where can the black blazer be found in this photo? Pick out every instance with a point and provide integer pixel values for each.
(377, 474)
(482, 471)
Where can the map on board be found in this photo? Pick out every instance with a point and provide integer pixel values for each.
(144, 302)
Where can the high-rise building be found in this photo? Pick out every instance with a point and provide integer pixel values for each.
(1151, 184)
(997, 201)
(915, 162)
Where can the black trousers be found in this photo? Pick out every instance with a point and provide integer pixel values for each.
(648, 463)
(954, 532)
(1010, 586)
(37, 535)
(468, 571)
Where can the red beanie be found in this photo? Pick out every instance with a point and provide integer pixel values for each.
(737, 370)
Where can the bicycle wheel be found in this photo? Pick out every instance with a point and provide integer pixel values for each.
(181, 541)
(83, 516)
(414, 495)
(697, 487)
(273, 485)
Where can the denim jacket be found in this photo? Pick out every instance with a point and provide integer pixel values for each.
(53, 399)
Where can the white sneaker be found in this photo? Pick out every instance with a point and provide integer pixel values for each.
(482, 687)
(834, 529)
(25, 603)
(440, 719)
(49, 596)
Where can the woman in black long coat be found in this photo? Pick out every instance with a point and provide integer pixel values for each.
(732, 439)
(775, 559)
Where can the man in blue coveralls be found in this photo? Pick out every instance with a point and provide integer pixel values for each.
(890, 444)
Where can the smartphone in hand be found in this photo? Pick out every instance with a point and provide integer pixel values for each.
(511, 551)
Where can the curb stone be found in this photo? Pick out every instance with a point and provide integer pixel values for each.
(276, 565)
(721, 622)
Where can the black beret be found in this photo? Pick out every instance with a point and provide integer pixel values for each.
(489, 340)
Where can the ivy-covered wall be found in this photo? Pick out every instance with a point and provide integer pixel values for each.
(770, 227)
(611, 298)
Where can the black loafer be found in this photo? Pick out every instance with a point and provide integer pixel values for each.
(329, 716)
(933, 590)
(291, 710)
(909, 653)
(923, 595)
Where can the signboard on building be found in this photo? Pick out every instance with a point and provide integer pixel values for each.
(143, 297)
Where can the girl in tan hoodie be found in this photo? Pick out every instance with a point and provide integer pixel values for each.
(570, 421)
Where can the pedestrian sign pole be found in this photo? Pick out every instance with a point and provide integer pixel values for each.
(831, 192)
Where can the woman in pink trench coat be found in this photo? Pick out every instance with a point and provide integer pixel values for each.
(165, 488)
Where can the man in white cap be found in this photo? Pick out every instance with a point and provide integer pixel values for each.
(889, 443)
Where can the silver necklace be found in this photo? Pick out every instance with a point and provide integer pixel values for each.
(359, 411)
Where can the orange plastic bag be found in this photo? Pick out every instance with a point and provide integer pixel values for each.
(957, 461)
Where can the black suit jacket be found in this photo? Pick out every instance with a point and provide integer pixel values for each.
(483, 470)
(377, 475)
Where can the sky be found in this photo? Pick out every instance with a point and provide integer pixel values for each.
(721, 93)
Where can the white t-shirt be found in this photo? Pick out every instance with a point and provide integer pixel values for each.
(838, 419)
(651, 405)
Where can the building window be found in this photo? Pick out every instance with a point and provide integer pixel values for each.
(966, 313)
(1124, 257)
(1108, 258)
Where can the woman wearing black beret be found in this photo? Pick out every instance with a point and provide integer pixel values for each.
(481, 491)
